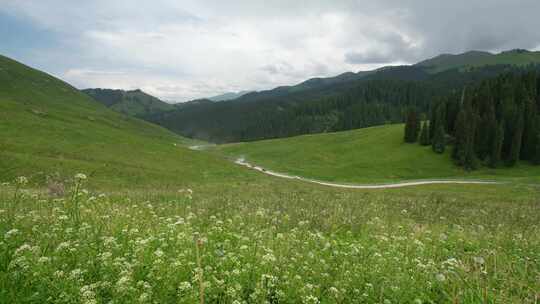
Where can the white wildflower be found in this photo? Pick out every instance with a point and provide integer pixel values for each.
(269, 258)
(80, 176)
(21, 180)
(11, 233)
(310, 300)
(62, 246)
(479, 260)
(184, 286)
(22, 248)
(159, 253)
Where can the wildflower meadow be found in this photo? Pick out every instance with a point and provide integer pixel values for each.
(289, 247)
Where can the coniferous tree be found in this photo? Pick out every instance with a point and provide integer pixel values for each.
(424, 134)
(496, 146)
(439, 141)
(418, 125)
(515, 146)
(470, 162)
(536, 158)
(464, 148)
(486, 129)
(432, 121)
(460, 134)
(411, 127)
(529, 131)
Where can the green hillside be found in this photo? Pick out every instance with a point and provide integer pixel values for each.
(132, 103)
(368, 155)
(48, 126)
(477, 59)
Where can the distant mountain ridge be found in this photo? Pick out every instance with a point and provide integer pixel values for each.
(131, 103)
(441, 63)
(478, 58)
(228, 96)
(326, 104)
(309, 104)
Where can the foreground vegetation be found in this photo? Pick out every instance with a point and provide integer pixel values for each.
(271, 245)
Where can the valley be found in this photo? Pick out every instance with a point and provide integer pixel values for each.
(398, 183)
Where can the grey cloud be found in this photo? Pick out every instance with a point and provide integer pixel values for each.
(191, 47)
(369, 57)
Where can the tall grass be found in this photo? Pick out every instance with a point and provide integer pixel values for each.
(293, 247)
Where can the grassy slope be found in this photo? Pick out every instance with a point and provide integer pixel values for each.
(48, 126)
(375, 154)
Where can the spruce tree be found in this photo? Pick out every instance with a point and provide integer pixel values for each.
(515, 145)
(439, 141)
(529, 131)
(460, 134)
(424, 134)
(464, 148)
(536, 158)
(433, 113)
(486, 129)
(411, 127)
(470, 162)
(496, 146)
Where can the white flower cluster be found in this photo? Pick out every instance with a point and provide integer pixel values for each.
(80, 176)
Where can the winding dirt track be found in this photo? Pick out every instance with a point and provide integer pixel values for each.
(243, 162)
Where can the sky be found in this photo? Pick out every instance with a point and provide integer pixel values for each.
(180, 50)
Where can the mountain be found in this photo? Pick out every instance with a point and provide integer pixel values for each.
(47, 127)
(229, 96)
(318, 85)
(347, 101)
(131, 103)
(477, 59)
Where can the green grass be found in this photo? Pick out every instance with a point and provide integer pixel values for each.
(48, 126)
(370, 155)
(289, 244)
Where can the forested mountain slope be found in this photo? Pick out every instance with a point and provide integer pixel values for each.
(374, 99)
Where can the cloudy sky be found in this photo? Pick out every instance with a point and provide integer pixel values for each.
(182, 49)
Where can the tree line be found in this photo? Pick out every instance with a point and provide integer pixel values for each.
(494, 123)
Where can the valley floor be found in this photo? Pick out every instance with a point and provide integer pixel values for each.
(375, 155)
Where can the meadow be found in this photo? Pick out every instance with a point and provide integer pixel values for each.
(276, 243)
(368, 155)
